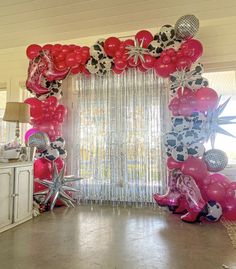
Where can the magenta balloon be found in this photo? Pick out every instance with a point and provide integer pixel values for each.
(172, 164)
(194, 47)
(29, 133)
(195, 168)
(216, 192)
(229, 209)
(221, 179)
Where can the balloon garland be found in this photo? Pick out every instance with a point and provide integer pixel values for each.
(194, 188)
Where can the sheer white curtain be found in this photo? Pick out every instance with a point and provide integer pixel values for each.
(119, 123)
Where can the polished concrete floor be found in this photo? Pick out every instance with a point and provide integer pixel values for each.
(115, 238)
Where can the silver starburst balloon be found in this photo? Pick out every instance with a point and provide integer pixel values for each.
(214, 122)
(137, 51)
(215, 159)
(186, 27)
(57, 188)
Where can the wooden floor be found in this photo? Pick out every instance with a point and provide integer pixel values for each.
(115, 238)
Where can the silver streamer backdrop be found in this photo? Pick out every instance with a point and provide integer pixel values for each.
(120, 123)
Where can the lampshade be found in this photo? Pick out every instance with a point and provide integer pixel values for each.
(17, 112)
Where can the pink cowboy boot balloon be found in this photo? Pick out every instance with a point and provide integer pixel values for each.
(171, 198)
(197, 207)
(42, 66)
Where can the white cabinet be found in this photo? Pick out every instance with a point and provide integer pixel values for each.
(16, 193)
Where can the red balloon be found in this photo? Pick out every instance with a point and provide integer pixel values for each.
(32, 51)
(216, 192)
(144, 37)
(195, 168)
(47, 47)
(71, 60)
(117, 71)
(207, 98)
(183, 63)
(111, 45)
(59, 163)
(35, 107)
(163, 70)
(42, 169)
(141, 69)
(229, 209)
(194, 47)
(172, 164)
(129, 42)
(185, 109)
(149, 61)
(120, 64)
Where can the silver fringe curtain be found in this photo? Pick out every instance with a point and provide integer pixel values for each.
(119, 126)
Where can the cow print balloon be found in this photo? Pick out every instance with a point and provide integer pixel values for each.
(180, 153)
(155, 48)
(196, 149)
(167, 33)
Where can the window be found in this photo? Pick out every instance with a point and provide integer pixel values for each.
(3, 127)
(225, 85)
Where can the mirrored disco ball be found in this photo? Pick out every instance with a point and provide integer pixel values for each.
(186, 27)
(215, 159)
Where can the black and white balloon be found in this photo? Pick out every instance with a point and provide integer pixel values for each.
(214, 211)
(215, 159)
(155, 48)
(186, 27)
(58, 143)
(167, 33)
(50, 154)
(196, 149)
(180, 153)
(97, 52)
(92, 66)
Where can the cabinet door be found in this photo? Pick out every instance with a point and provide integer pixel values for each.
(6, 191)
(23, 191)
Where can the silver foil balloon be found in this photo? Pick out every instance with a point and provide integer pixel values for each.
(39, 140)
(215, 159)
(58, 188)
(186, 27)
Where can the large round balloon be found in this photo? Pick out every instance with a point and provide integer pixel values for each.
(207, 99)
(195, 168)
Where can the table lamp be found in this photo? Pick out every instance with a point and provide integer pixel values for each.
(17, 112)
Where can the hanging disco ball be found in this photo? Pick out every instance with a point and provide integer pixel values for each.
(186, 27)
(215, 159)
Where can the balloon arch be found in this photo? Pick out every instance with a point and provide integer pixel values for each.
(195, 188)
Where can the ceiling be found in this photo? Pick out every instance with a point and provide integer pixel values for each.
(24, 22)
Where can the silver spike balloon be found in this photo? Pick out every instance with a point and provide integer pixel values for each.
(215, 159)
(57, 188)
(186, 27)
(137, 51)
(214, 122)
(40, 140)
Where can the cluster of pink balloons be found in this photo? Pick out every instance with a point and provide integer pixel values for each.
(64, 56)
(47, 116)
(187, 101)
(215, 186)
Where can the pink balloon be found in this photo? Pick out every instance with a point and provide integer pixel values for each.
(183, 63)
(195, 168)
(221, 179)
(172, 164)
(216, 192)
(149, 61)
(144, 37)
(32, 51)
(229, 209)
(35, 107)
(185, 109)
(111, 46)
(194, 47)
(207, 98)
(163, 70)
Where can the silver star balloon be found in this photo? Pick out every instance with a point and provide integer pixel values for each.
(191, 79)
(137, 51)
(214, 122)
(57, 188)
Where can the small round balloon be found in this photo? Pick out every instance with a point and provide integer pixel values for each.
(214, 211)
(186, 27)
(215, 159)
